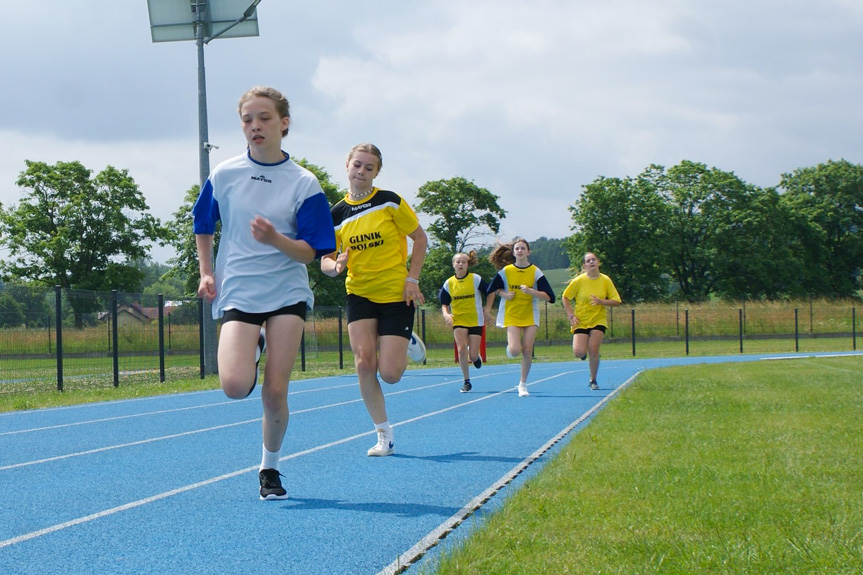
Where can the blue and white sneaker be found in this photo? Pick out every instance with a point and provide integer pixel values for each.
(416, 349)
(384, 445)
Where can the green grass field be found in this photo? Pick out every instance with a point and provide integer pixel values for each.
(736, 468)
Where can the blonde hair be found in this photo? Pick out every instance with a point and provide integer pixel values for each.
(283, 108)
(472, 258)
(369, 149)
(502, 255)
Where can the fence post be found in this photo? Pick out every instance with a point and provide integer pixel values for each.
(115, 339)
(341, 345)
(611, 321)
(201, 335)
(686, 328)
(796, 331)
(303, 350)
(161, 304)
(423, 324)
(632, 332)
(854, 328)
(58, 325)
(740, 328)
(547, 341)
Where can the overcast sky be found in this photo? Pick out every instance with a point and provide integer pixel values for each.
(530, 100)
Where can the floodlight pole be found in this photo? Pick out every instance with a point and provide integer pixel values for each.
(209, 327)
(204, 146)
(169, 22)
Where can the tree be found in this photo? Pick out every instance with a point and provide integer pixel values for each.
(726, 237)
(623, 222)
(755, 256)
(328, 291)
(825, 204)
(33, 299)
(11, 312)
(184, 264)
(78, 231)
(463, 212)
(548, 254)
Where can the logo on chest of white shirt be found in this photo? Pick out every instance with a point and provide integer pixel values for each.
(262, 178)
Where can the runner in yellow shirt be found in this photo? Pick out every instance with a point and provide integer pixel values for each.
(461, 299)
(521, 286)
(592, 293)
(372, 227)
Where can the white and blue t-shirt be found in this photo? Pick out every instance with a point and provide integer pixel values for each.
(251, 276)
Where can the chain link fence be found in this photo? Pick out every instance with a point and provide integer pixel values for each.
(74, 338)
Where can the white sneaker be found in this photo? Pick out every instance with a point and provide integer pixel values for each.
(416, 348)
(522, 390)
(510, 355)
(384, 445)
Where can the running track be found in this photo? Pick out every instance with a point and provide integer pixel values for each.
(169, 484)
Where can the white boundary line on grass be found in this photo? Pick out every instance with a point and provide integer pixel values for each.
(415, 553)
(812, 355)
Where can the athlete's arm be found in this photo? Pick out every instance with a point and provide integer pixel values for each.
(265, 232)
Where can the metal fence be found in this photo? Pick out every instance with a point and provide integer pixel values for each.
(81, 338)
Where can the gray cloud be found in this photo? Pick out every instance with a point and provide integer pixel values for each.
(530, 100)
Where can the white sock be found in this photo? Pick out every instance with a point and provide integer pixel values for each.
(385, 427)
(270, 459)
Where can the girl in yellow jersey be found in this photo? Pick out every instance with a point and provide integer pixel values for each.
(461, 299)
(372, 227)
(592, 293)
(521, 286)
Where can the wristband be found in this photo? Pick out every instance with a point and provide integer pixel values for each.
(412, 280)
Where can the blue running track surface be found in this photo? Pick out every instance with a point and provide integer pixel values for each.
(169, 484)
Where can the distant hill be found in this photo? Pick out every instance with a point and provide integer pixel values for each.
(548, 253)
(558, 278)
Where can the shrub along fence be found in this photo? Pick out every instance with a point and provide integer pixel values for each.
(84, 339)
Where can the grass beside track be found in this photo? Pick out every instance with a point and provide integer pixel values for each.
(734, 468)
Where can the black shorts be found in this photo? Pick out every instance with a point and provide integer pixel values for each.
(259, 318)
(396, 318)
(587, 331)
(472, 330)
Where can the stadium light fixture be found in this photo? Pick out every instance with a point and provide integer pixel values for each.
(203, 21)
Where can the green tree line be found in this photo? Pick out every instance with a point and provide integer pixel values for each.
(688, 231)
(696, 232)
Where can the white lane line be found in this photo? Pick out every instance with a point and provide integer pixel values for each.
(202, 430)
(158, 497)
(159, 412)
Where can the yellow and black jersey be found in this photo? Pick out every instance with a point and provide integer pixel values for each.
(464, 296)
(523, 310)
(374, 230)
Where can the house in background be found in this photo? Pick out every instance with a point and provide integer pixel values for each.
(128, 315)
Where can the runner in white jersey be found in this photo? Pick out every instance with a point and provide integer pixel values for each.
(275, 220)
